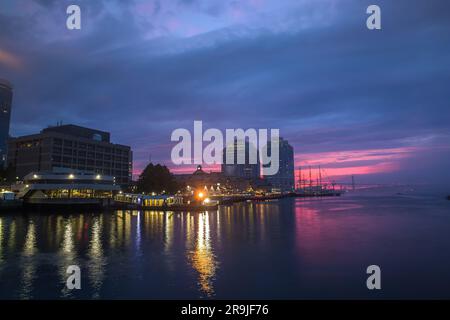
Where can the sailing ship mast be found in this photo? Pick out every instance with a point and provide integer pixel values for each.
(310, 178)
(299, 185)
(320, 178)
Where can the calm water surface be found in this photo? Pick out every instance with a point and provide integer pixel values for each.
(292, 248)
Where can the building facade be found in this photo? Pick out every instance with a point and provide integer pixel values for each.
(212, 181)
(247, 170)
(71, 146)
(284, 180)
(5, 118)
(65, 183)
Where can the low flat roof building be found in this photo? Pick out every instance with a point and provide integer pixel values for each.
(70, 147)
(66, 187)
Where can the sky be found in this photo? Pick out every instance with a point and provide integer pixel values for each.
(374, 104)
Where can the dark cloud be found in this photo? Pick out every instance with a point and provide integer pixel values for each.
(328, 83)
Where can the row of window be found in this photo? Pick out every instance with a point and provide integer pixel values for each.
(85, 148)
(88, 146)
(89, 154)
(28, 144)
(120, 175)
(91, 162)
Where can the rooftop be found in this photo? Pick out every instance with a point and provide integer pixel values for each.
(78, 131)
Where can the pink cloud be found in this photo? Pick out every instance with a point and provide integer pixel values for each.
(353, 162)
(10, 60)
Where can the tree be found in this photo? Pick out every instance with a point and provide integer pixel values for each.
(156, 178)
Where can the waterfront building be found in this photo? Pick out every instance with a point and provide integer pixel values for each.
(71, 147)
(142, 200)
(284, 179)
(164, 202)
(63, 186)
(247, 170)
(212, 182)
(5, 118)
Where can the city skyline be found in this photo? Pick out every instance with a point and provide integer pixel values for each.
(352, 105)
(219, 158)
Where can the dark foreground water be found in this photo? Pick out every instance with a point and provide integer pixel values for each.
(293, 248)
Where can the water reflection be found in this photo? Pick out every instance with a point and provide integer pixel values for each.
(135, 251)
(201, 256)
(12, 236)
(294, 248)
(97, 260)
(168, 231)
(28, 263)
(1, 244)
(67, 252)
(138, 233)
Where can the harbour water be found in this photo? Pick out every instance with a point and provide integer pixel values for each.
(289, 248)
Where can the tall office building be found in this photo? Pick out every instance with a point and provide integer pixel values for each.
(285, 178)
(70, 146)
(5, 118)
(247, 170)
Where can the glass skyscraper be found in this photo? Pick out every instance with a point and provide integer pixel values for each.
(5, 117)
(246, 170)
(284, 180)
